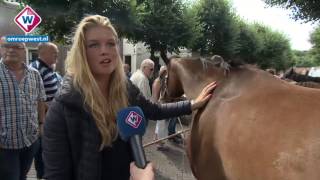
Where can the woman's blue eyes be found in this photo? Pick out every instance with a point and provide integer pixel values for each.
(96, 45)
(93, 45)
(111, 44)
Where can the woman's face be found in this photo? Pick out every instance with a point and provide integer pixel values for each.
(101, 50)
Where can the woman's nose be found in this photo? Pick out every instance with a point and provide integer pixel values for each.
(104, 49)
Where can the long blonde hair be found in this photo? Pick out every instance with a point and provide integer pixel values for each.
(103, 110)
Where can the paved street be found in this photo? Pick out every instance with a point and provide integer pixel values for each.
(32, 174)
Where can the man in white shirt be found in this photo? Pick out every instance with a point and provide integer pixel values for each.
(141, 77)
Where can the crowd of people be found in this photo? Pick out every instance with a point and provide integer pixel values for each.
(69, 127)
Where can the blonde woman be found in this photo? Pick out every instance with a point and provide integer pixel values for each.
(80, 139)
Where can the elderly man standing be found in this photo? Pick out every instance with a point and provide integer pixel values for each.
(22, 99)
(141, 77)
(48, 54)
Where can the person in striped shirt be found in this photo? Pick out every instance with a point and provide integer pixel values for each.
(22, 99)
(48, 54)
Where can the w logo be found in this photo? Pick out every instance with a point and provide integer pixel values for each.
(27, 19)
(133, 119)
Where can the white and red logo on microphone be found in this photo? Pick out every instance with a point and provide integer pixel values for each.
(133, 119)
(27, 19)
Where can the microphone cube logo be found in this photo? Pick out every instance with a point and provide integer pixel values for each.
(133, 119)
(27, 19)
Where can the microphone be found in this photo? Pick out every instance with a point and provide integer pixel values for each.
(132, 126)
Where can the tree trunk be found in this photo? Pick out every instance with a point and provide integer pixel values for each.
(163, 54)
(152, 57)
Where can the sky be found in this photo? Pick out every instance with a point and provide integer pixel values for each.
(278, 19)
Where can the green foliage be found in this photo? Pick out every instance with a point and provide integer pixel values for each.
(308, 10)
(161, 25)
(164, 26)
(303, 59)
(219, 30)
(249, 43)
(61, 16)
(226, 34)
(195, 26)
(207, 26)
(315, 38)
(276, 51)
(315, 51)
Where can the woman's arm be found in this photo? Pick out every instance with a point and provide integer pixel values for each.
(56, 151)
(164, 111)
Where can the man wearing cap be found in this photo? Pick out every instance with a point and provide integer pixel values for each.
(22, 104)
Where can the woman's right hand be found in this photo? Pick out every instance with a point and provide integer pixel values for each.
(204, 96)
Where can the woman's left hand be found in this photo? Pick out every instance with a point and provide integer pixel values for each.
(204, 96)
(141, 174)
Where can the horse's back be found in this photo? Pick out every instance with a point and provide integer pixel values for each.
(258, 128)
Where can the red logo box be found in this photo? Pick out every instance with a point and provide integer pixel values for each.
(27, 19)
(133, 119)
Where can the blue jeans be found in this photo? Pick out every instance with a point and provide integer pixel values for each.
(38, 162)
(172, 126)
(15, 163)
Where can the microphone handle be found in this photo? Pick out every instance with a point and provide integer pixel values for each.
(138, 151)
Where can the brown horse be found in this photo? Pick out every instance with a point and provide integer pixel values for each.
(255, 127)
(291, 74)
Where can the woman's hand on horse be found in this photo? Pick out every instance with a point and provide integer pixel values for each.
(204, 96)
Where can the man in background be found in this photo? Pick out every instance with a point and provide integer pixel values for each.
(126, 69)
(141, 77)
(22, 104)
(48, 54)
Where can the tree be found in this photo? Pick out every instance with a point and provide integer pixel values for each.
(315, 38)
(276, 51)
(303, 59)
(219, 30)
(249, 43)
(307, 10)
(315, 50)
(161, 25)
(61, 16)
(164, 26)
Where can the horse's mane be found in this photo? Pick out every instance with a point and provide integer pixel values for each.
(217, 61)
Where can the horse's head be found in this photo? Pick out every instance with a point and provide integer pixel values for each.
(190, 75)
(173, 86)
(288, 73)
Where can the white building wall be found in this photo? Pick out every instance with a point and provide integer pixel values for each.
(129, 49)
(138, 52)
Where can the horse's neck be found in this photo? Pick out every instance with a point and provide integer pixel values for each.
(194, 78)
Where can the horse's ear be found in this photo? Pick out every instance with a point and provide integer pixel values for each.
(164, 57)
